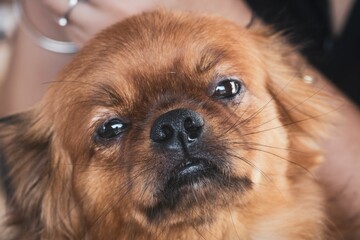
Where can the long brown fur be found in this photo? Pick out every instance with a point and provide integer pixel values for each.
(64, 184)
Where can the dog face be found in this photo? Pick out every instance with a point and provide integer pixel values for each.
(169, 124)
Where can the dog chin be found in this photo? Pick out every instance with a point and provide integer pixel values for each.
(195, 185)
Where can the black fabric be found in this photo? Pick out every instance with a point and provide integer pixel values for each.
(307, 24)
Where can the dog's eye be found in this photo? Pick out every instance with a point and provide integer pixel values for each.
(227, 88)
(111, 128)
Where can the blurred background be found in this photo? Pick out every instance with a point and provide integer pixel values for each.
(8, 19)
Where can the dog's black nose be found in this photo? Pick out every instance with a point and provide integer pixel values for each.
(177, 129)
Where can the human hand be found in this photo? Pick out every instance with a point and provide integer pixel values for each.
(90, 17)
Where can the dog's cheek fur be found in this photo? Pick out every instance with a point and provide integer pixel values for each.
(60, 212)
(303, 108)
(304, 112)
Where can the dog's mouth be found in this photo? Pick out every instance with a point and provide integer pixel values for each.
(195, 183)
(190, 173)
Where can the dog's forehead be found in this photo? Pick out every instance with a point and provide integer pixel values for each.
(158, 48)
(163, 41)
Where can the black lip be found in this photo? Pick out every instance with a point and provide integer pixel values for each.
(190, 171)
(191, 167)
(179, 194)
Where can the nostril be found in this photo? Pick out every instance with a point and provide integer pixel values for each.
(177, 127)
(189, 124)
(192, 136)
(166, 133)
(192, 124)
(193, 128)
(162, 133)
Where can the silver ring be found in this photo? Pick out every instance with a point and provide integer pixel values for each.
(64, 20)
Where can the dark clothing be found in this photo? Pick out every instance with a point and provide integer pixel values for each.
(307, 23)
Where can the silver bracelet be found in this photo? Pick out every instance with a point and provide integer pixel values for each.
(41, 40)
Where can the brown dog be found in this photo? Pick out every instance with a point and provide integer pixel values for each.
(169, 126)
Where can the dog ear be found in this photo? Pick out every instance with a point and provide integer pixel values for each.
(37, 174)
(24, 149)
(305, 107)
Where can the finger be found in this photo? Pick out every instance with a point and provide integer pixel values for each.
(57, 7)
(87, 28)
(77, 35)
(77, 14)
(127, 7)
